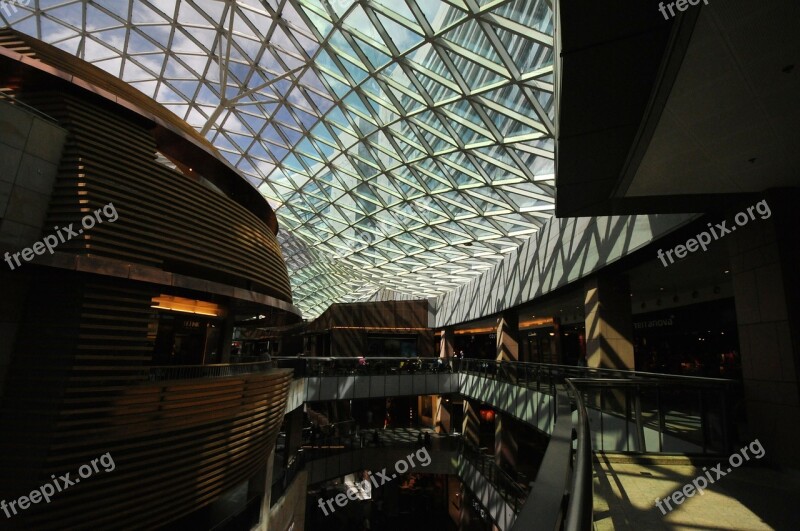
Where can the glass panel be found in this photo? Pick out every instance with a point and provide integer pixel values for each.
(415, 115)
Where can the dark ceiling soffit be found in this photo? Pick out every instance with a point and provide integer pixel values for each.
(680, 38)
(640, 55)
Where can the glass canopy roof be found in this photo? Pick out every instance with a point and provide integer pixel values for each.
(406, 146)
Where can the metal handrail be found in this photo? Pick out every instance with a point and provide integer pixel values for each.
(14, 101)
(351, 366)
(588, 372)
(493, 366)
(544, 509)
(562, 496)
(507, 486)
(158, 373)
(633, 392)
(581, 495)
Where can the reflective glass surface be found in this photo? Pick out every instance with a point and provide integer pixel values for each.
(406, 146)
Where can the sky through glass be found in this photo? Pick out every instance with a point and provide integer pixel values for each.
(405, 145)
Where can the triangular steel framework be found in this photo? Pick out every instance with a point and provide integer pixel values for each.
(406, 146)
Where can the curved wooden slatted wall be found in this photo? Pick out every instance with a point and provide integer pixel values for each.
(78, 389)
(77, 385)
(165, 219)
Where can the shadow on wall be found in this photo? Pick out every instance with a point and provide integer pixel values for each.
(565, 250)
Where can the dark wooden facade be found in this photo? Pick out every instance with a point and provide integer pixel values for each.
(345, 329)
(81, 382)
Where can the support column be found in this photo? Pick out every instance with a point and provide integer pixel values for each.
(555, 344)
(447, 347)
(447, 343)
(442, 415)
(508, 336)
(764, 268)
(294, 435)
(505, 444)
(609, 327)
(226, 337)
(470, 428)
(266, 502)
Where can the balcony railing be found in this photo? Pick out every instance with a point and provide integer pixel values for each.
(8, 98)
(223, 370)
(617, 410)
(509, 488)
(629, 410)
(314, 367)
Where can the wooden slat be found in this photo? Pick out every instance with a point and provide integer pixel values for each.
(166, 219)
(77, 389)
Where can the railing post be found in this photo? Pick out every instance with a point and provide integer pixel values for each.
(637, 410)
(703, 420)
(725, 431)
(662, 422)
(602, 433)
(627, 418)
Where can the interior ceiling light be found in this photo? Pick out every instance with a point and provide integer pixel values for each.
(184, 305)
(385, 134)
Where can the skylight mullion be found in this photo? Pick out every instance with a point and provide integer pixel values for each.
(478, 226)
(497, 202)
(426, 148)
(534, 101)
(397, 139)
(474, 57)
(431, 74)
(432, 175)
(410, 25)
(528, 193)
(500, 164)
(499, 48)
(519, 162)
(499, 191)
(487, 121)
(501, 231)
(455, 136)
(531, 226)
(405, 90)
(464, 170)
(519, 29)
(355, 155)
(463, 87)
(529, 77)
(466, 204)
(432, 130)
(485, 6)
(511, 113)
